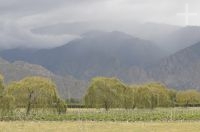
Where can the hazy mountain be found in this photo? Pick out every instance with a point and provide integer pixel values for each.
(81, 27)
(67, 86)
(164, 35)
(180, 70)
(147, 31)
(96, 54)
(180, 39)
(118, 54)
(153, 31)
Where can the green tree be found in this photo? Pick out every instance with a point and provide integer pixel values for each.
(172, 95)
(144, 98)
(128, 101)
(61, 106)
(104, 93)
(1, 85)
(6, 101)
(188, 97)
(160, 93)
(33, 92)
(7, 104)
(151, 95)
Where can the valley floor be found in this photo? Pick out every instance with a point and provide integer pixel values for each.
(79, 126)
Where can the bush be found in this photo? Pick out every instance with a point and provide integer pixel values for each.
(61, 106)
(7, 104)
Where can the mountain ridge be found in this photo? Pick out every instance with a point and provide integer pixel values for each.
(97, 54)
(68, 87)
(180, 70)
(121, 55)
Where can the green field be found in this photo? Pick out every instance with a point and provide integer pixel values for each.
(147, 115)
(78, 126)
(99, 120)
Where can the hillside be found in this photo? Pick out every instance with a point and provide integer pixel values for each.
(131, 59)
(67, 86)
(180, 39)
(96, 54)
(180, 70)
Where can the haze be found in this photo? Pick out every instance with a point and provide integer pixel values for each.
(21, 20)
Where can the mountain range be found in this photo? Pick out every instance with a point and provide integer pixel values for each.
(180, 70)
(95, 54)
(171, 57)
(180, 39)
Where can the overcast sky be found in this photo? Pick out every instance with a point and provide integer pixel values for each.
(18, 17)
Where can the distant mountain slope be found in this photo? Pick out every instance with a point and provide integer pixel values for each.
(180, 70)
(67, 86)
(180, 39)
(116, 54)
(97, 54)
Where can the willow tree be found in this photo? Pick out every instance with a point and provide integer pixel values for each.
(172, 95)
(33, 92)
(152, 95)
(104, 93)
(6, 101)
(7, 104)
(144, 98)
(188, 97)
(160, 93)
(128, 100)
(1, 85)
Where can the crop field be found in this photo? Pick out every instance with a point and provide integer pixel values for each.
(100, 120)
(157, 114)
(84, 126)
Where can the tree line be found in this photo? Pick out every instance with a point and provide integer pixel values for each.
(112, 93)
(39, 92)
(30, 93)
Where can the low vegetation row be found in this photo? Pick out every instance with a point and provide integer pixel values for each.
(88, 114)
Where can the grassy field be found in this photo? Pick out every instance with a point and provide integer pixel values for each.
(78, 126)
(99, 120)
(158, 114)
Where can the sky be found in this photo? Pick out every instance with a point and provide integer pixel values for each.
(19, 17)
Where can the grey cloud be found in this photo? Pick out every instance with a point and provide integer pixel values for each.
(19, 17)
(27, 7)
(12, 36)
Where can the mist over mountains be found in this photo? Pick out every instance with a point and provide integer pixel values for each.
(168, 37)
(148, 52)
(95, 54)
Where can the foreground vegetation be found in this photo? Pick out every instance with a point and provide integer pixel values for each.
(107, 99)
(30, 93)
(112, 93)
(158, 114)
(21, 126)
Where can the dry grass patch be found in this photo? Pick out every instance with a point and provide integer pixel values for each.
(79, 126)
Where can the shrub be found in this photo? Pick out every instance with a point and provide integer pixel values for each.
(7, 104)
(61, 106)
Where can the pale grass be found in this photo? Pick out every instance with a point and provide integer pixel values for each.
(79, 126)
